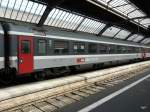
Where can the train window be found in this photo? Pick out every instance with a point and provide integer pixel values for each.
(103, 49)
(140, 49)
(61, 47)
(50, 43)
(133, 49)
(122, 49)
(25, 47)
(79, 47)
(42, 46)
(92, 48)
(130, 49)
(137, 50)
(112, 49)
(148, 50)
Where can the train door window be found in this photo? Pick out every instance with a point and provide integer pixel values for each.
(92, 48)
(42, 46)
(25, 47)
(103, 48)
(79, 48)
(61, 47)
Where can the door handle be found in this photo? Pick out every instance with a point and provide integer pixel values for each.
(21, 60)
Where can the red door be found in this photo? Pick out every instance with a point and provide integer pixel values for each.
(25, 55)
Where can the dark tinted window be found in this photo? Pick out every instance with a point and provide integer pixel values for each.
(92, 48)
(103, 49)
(137, 49)
(79, 48)
(130, 49)
(25, 47)
(112, 49)
(61, 47)
(42, 46)
(133, 49)
(122, 49)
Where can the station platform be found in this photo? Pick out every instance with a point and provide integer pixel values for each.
(129, 96)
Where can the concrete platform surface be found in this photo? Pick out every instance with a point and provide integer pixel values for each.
(134, 99)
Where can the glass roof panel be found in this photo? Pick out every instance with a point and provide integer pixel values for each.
(122, 34)
(146, 41)
(115, 3)
(124, 8)
(132, 37)
(22, 10)
(138, 38)
(111, 32)
(91, 26)
(136, 13)
(63, 19)
(146, 22)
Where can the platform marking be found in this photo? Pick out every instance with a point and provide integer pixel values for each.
(109, 97)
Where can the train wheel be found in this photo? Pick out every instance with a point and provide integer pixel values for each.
(39, 76)
(7, 76)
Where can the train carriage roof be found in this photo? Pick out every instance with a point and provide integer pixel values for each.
(30, 30)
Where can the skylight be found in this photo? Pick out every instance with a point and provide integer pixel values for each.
(111, 31)
(91, 26)
(125, 9)
(122, 34)
(22, 10)
(146, 41)
(64, 19)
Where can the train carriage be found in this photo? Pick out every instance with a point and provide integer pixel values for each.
(34, 52)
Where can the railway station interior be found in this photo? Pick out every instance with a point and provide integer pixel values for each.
(74, 56)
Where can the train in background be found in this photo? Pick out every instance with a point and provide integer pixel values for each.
(54, 52)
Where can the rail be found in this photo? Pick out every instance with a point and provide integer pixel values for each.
(74, 87)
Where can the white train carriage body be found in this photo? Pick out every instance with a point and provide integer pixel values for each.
(32, 51)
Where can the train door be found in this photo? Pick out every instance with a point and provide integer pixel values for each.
(25, 54)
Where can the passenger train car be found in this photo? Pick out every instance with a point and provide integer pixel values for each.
(54, 51)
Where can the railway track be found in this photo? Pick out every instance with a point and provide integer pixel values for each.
(52, 99)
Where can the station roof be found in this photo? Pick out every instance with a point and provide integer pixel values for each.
(116, 19)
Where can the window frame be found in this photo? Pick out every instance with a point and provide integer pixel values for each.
(29, 47)
(45, 47)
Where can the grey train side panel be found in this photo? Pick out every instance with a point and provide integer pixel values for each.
(66, 60)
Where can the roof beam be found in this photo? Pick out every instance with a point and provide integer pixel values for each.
(132, 33)
(117, 33)
(132, 12)
(120, 6)
(79, 24)
(48, 9)
(104, 29)
(143, 17)
(142, 39)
